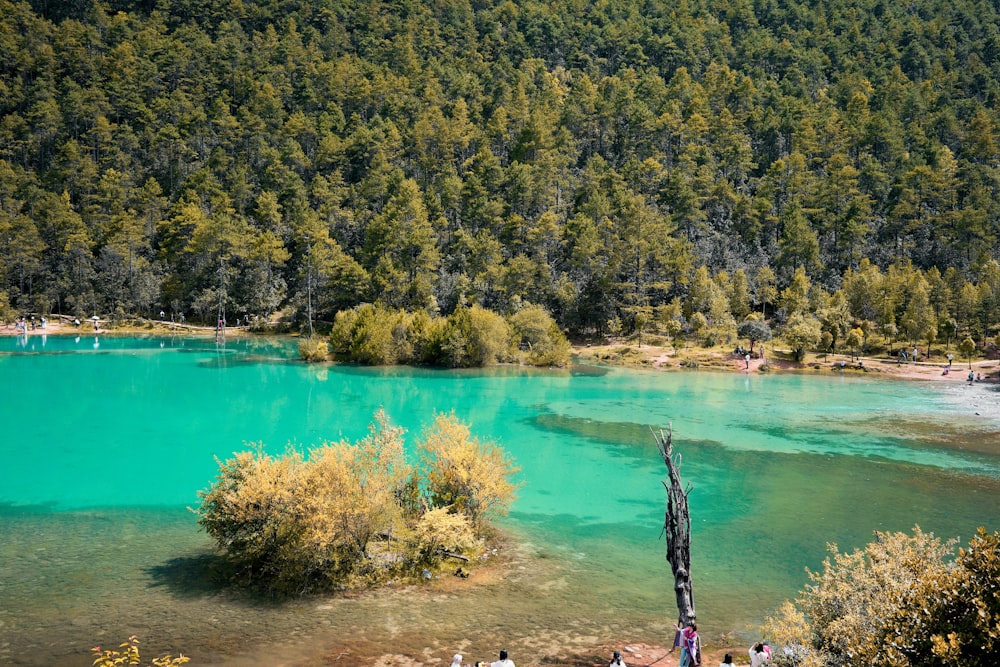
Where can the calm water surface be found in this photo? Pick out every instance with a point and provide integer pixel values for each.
(108, 440)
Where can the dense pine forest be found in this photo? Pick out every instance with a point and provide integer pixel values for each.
(617, 162)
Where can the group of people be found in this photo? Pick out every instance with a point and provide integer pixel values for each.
(504, 661)
(21, 325)
(686, 638)
(760, 656)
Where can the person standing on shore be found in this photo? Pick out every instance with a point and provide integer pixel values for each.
(504, 661)
(760, 655)
(690, 645)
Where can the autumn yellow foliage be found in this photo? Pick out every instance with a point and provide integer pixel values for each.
(128, 654)
(903, 600)
(464, 472)
(354, 514)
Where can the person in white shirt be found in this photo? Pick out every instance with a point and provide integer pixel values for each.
(456, 660)
(504, 661)
(760, 655)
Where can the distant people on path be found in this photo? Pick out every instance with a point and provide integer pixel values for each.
(747, 359)
(760, 655)
(972, 376)
(504, 661)
(727, 661)
(950, 357)
(616, 660)
(916, 354)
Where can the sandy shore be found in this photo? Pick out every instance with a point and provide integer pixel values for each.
(623, 354)
(63, 326)
(980, 397)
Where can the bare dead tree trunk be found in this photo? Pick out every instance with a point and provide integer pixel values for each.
(677, 527)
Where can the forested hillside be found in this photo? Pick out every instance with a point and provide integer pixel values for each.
(601, 159)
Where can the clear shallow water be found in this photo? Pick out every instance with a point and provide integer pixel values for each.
(108, 440)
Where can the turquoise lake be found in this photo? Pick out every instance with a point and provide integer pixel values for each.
(108, 440)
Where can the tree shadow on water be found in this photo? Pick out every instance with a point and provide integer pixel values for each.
(207, 575)
(195, 576)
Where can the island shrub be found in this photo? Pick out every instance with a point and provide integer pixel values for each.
(470, 337)
(426, 334)
(351, 515)
(314, 350)
(539, 336)
(901, 600)
(370, 334)
(342, 332)
(383, 339)
(464, 473)
(443, 532)
(475, 337)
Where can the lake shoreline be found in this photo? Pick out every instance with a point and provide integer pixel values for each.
(611, 353)
(593, 650)
(975, 397)
(627, 354)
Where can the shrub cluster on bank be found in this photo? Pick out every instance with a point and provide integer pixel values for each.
(349, 515)
(469, 337)
(902, 600)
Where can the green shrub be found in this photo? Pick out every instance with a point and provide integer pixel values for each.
(373, 341)
(535, 331)
(475, 337)
(373, 335)
(802, 333)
